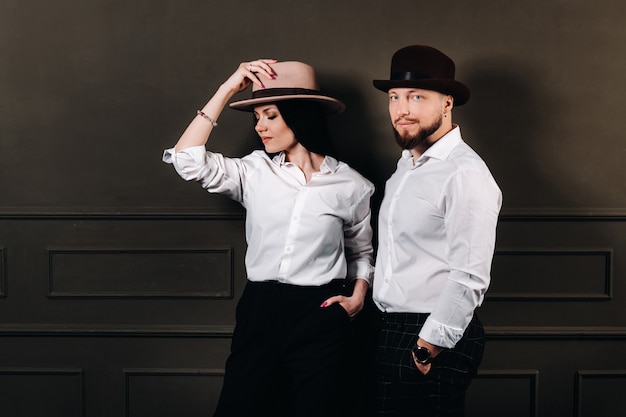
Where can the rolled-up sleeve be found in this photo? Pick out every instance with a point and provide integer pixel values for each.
(213, 171)
(358, 239)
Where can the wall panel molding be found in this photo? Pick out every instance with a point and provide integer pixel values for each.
(599, 392)
(43, 391)
(188, 392)
(491, 332)
(151, 213)
(119, 272)
(116, 330)
(511, 391)
(122, 213)
(541, 283)
(76, 372)
(555, 333)
(569, 215)
(3, 272)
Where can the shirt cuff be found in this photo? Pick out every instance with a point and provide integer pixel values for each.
(196, 153)
(189, 162)
(168, 156)
(439, 334)
(360, 269)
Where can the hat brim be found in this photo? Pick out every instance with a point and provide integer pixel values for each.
(330, 105)
(456, 89)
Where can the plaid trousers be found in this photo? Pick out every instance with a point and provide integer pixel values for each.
(402, 390)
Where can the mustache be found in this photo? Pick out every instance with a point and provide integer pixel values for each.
(404, 119)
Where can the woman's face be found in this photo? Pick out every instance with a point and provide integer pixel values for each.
(274, 132)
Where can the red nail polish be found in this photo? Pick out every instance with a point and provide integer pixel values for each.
(323, 304)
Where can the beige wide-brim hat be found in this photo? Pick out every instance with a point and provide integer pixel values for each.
(294, 81)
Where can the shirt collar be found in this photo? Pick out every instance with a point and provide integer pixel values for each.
(440, 149)
(329, 165)
(279, 158)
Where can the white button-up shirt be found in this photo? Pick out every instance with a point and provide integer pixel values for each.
(437, 230)
(297, 232)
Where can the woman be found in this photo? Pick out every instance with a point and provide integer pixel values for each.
(309, 256)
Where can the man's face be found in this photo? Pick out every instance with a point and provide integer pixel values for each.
(416, 116)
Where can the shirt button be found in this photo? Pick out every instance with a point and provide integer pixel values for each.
(289, 249)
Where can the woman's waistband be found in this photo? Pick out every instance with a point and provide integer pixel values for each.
(335, 283)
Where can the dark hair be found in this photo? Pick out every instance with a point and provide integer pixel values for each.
(307, 120)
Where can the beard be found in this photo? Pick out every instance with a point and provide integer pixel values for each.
(408, 141)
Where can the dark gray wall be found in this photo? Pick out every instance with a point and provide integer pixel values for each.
(118, 280)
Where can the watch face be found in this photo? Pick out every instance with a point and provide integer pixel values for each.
(422, 354)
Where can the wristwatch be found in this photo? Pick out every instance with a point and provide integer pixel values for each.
(421, 355)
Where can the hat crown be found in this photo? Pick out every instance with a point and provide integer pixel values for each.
(291, 74)
(420, 66)
(294, 81)
(423, 62)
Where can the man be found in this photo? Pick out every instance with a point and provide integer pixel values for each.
(437, 230)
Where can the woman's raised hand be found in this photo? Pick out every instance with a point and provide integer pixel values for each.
(198, 131)
(251, 72)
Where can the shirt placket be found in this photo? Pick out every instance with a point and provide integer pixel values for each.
(391, 249)
(292, 233)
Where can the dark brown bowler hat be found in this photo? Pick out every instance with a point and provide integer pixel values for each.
(420, 66)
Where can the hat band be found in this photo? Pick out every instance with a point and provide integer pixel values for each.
(273, 92)
(409, 76)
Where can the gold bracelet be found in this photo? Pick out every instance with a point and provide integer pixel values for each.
(206, 116)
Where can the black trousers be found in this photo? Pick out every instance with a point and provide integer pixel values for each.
(403, 391)
(286, 352)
